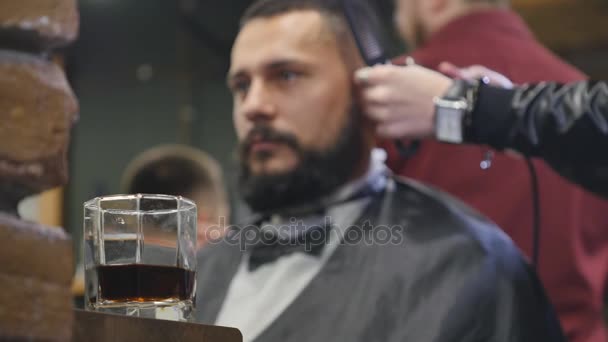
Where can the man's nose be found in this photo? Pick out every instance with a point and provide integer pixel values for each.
(259, 104)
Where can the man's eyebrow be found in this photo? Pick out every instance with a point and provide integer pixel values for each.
(278, 64)
(234, 75)
(273, 65)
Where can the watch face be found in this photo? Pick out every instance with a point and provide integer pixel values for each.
(449, 125)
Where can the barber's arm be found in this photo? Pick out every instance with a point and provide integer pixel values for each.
(567, 125)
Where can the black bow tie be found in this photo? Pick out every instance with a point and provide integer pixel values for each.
(311, 241)
(269, 249)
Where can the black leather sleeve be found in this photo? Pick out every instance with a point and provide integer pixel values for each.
(566, 125)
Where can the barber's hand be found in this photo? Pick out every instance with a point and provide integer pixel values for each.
(400, 99)
(476, 72)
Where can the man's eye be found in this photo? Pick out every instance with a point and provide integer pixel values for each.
(286, 75)
(240, 86)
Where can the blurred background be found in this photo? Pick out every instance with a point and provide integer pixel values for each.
(153, 72)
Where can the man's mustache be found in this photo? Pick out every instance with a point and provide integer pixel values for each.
(266, 134)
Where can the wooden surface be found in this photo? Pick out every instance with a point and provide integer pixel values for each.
(575, 29)
(35, 278)
(567, 25)
(99, 327)
(38, 24)
(37, 110)
(51, 207)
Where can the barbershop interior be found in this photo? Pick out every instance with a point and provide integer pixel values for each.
(304, 170)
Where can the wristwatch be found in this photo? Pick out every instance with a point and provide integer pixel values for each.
(453, 112)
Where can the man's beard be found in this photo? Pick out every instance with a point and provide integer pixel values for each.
(318, 173)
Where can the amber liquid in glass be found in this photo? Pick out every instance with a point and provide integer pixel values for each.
(144, 283)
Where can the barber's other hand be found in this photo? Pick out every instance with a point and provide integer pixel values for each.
(476, 72)
(400, 99)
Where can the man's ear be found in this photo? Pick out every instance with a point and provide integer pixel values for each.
(369, 137)
(368, 125)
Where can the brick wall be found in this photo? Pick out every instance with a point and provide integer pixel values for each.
(37, 111)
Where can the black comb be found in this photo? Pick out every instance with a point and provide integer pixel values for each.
(365, 26)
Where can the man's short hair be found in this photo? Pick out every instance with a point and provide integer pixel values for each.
(331, 11)
(501, 3)
(178, 171)
(270, 8)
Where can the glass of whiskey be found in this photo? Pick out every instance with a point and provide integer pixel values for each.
(140, 256)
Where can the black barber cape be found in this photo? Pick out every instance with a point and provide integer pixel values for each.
(453, 277)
